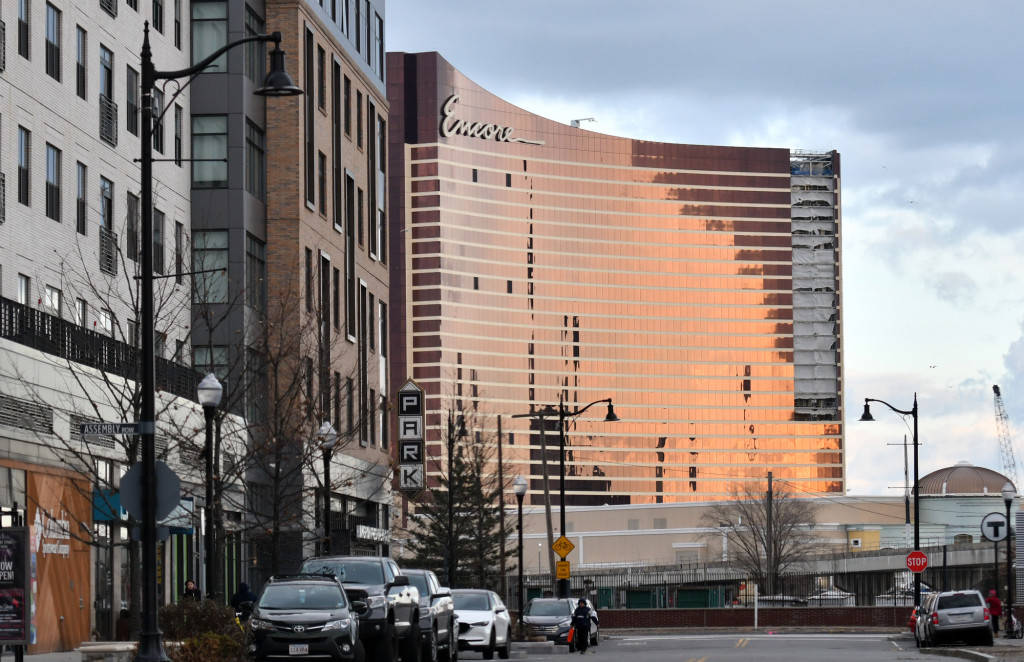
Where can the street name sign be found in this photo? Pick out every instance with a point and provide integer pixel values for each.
(412, 469)
(563, 546)
(917, 561)
(103, 429)
(993, 527)
(561, 570)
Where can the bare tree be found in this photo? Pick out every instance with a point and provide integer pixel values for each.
(768, 534)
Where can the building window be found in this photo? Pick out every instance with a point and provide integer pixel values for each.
(348, 107)
(322, 181)
(367, 54)
(336, 310)
(209, 32)
(359, 215)
(321, 78)
(178, 114)
(24, 163)
(255, 273)
(210, 149)
(24, 289)
(179, 252)
(336, 419)
(255, 53)
(308, 66)
(359, 28)
(256, 388)
(52, 182)
(52, 42)
(371, 333)
(24, 14)
(381, 190)
(158, 16)
(177, 24)
(350, 256)
(359, 118)
(158, 121)
(53, 300)
(336, 146)
(134, 4)
(307, 374)
(362, 367)
(210, 256)
(132, 101)
(371, 414)
(81, 312)
(81, 57)
(255, 161)
(211, 358)
(106, 321)
(158, 241)
(309, 280)
(108, 109)
(345, 13)
(81, 197)
(350, 412)
(383, 339)
(132, 232)
(106, 204)
(379, 41)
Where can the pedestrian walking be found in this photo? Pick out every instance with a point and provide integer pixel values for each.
(581, 626)
(191, 592)
(995, 608)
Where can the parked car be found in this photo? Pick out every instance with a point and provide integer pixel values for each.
(484, 622)
(391, 621)
(304, 615)
(953, 615)
(439, 628)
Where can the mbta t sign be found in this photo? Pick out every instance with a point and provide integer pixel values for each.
(917, 561)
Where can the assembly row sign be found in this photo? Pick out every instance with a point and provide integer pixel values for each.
(411, 460)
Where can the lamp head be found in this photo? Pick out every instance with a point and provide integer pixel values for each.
(519, 486)
(866, 416)
(277, 82)
(327, 434)
(1009, 492)
(210, 391)
(610, 417)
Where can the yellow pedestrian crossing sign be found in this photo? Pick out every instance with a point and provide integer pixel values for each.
(563, 546)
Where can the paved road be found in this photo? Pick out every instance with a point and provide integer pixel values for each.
(745, 647)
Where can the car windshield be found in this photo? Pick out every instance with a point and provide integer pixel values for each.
(302, 596)
(959, 601)
(471, 601)
(420, 582)
(356, 572)
(548, 608)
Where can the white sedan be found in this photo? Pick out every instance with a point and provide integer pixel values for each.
(484, 622)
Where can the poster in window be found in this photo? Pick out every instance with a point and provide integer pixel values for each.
(13, 585)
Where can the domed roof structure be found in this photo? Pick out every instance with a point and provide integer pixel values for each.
(962, 478)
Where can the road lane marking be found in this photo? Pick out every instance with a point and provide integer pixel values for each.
(742, 643)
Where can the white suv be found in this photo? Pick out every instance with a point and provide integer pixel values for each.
(484, 622)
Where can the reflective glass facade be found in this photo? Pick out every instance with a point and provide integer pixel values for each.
(547, 264)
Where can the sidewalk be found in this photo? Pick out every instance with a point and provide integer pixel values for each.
(70, 656)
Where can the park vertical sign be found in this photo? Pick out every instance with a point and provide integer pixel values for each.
(14, 594)
(411, 457)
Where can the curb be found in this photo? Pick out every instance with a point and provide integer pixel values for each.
(961, 653)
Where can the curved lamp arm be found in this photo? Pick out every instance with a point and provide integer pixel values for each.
(898, 411)
(570, 414)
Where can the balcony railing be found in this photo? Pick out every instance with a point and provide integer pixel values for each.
(3, 197)
(108, 120)
(108, 251)
(109, 6)
(67, 340)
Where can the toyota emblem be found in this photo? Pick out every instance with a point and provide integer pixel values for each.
(299, 628)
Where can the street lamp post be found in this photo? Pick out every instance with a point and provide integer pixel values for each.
(328, 437)
(1009, 492)
(276, 83)
(562, 587)
(866, 416)
(519, 487)
(210, 392)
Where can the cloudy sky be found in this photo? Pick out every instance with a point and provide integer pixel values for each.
(924, 102)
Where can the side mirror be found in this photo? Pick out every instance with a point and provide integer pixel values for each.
(359, 607)
(442, 592)
(499, 610)
(400, 580)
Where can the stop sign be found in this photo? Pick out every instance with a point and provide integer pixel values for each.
(917, 561)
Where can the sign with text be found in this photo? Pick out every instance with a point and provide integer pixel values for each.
(411, 461)
(14, 594)
(561, 570)
(917, 561)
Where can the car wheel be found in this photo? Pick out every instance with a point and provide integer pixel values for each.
(596, 638)
(385, 649)
(987, 639)
(429, 652)
(506, 649)
(358, 652)
(489, 651)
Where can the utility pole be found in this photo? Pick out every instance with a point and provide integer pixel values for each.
(547, 497)
(769, 540)
(501, 505)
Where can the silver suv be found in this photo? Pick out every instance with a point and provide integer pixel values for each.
(951, 615)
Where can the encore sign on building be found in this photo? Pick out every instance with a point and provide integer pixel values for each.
(453, 126)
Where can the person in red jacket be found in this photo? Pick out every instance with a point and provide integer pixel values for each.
(995, 608)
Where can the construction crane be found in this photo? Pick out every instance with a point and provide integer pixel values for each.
(1005, 440)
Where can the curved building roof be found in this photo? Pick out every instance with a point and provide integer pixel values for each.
(962, 478)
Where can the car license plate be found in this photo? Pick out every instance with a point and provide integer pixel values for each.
(298, 649)
(959, 618)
